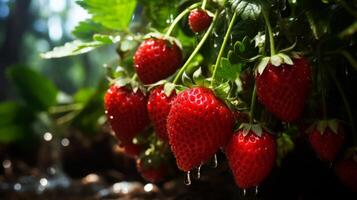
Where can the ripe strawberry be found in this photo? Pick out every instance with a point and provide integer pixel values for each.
(199, 20)
(251, 157)
(156, 59)
(198, 125)
(284, 89)
(159, 106)
(326, 143)
(150, 169)
(131, 150)
(126, 111)
(346, 171)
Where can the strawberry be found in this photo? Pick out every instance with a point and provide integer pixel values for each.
(126, 111)
(199, 20)
(151, 169)
(283, 88)
(198, 125)
(346, 171)
(156, 59)
(131, 150)
(159, 106)
(326, 141)
(251, 157)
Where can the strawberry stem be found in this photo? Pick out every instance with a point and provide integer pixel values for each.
(270, 32)
(346, 103)
(218, 61)
(179, 17)
(252, 105)
(322, 79)
(197, 49)
(204, 4)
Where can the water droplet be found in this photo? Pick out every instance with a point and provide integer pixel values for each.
(17, 186)
(111, 117)
(106, 112)
(197, 174)
(215, 162)
(256, 190)
(244, 192)
(188, 178)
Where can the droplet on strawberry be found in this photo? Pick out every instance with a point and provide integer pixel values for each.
(283, 89)
(199, 20)
(159, 106)
(156, 59)
(346, 170)
(198, 125)
(126, 111)
(250, 157)
(326, 143)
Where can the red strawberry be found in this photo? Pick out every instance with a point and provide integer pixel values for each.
(198, 125)
(251, 157)
(326, 143)
(284, 89)
(156, 59)
(159, 106)
(199, 20)
(131, 150)
(126, 111)
(150, 171)
(346, 171)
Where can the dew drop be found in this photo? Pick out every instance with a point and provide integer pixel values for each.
(215, 162)
(111, 117)
(188, 178)
(197, 174)
(244, 192)
(106, 112)
(256, 190)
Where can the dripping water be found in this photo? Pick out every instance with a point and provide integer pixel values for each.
(215, 162)
(188, 178)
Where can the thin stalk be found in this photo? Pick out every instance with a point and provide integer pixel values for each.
(347, 105)
(221, 51)
(252, 105)
(321, 74)
(179, 17)
(348, 8)
(197, 49)
(270, 32)
(204, 4)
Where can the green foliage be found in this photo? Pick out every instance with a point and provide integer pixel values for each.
(112, 14)
(14, 122)
(85, 30)
(77, 47)
(37, 91)
(248, 9)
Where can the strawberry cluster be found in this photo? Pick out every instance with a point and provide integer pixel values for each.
(193, 123)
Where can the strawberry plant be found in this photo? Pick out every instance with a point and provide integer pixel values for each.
(246, 77)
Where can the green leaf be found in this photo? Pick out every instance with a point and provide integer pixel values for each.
(186, 80)
(222, 90)
(86, 29)
(11, 133)
(77, 47)
(14, 121)
(37, 91)
(248, 9)
(112, 14)
(227, 71)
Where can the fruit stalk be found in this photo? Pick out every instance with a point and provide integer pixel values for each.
(203, 40)
(347, 105)
(179, 17)
(218, 61)
(252, 105)
(270, 32)
(204, 3)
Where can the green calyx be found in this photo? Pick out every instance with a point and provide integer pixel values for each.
(276, 60)
(257, 129)
(322, 125)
